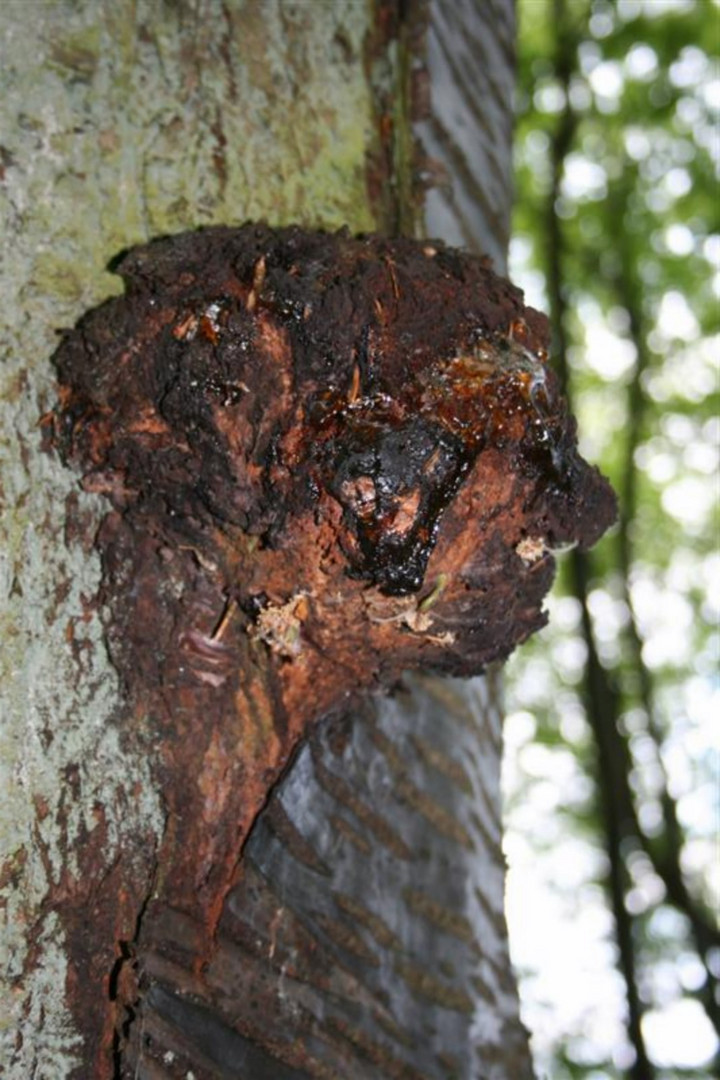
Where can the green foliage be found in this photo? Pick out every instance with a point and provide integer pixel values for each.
(616, 236)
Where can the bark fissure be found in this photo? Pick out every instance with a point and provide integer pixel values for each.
(155, 119)
(123, 989)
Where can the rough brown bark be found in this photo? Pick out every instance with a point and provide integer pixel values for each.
(120, 123)
(331, 461)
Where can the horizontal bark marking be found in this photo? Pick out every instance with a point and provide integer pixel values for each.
(443, 763)
(342, 792)
(231, 1053)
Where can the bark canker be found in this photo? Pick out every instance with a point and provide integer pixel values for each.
(330, 460)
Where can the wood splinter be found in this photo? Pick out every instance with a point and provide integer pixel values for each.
(330, 460)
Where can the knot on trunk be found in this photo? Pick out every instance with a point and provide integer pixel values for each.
(359, 438)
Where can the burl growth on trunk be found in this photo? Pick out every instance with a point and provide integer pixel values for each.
(330, 459)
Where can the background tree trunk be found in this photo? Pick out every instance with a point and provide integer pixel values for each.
(119, 123)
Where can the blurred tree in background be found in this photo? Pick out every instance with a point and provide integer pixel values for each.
(611, 772)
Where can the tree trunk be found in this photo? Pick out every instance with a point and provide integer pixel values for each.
(366, 913)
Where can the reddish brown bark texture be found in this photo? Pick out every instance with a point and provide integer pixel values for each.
(330, 460)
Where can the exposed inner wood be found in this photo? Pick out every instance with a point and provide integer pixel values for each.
(330, 461)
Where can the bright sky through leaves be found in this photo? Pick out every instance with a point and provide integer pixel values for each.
(638, 83)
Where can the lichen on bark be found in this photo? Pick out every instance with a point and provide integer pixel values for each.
(114, 127)
(120, 123)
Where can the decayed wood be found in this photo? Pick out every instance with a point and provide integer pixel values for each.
(120, 123)
(364, 934)
(331, 460)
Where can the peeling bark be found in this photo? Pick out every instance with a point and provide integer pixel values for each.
(367, 912)
(331, 461)
(119, 123)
